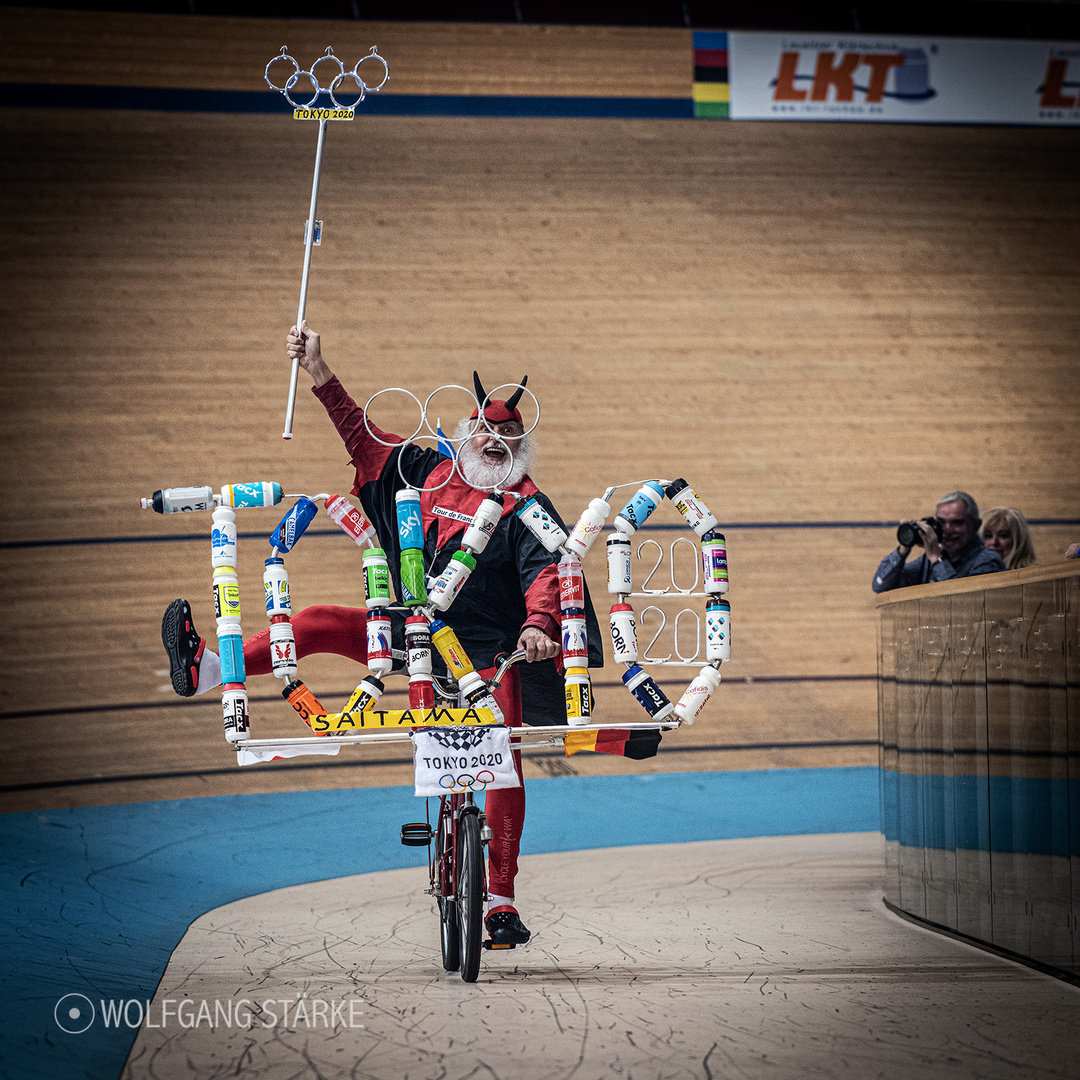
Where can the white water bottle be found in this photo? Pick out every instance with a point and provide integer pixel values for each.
(483, 524)
(182, 500)
(282, 649)
(448, 584)
(619, 580)
(351, 521)
(624, 644)
(717, 630)
(696, 694)
(588, 527)
(541, 524)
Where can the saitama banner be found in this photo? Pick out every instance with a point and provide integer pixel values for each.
(900, 79)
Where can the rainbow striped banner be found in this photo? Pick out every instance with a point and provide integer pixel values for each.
(712, 86)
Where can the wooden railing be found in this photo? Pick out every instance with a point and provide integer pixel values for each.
(979, 718)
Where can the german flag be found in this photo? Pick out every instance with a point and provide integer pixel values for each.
(619, 741)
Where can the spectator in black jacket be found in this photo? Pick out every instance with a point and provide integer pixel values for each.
(959, 553)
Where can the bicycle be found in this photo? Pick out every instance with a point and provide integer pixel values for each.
(457, 868)
(456, 861)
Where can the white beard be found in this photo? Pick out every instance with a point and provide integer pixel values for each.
(485, 475)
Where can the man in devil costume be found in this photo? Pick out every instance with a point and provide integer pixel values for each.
(510, 602)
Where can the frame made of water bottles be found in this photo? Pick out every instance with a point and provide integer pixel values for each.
(427, 598)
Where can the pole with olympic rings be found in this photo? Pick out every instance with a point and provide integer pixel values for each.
(285, 65)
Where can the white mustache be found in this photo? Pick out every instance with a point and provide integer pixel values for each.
(484, 474)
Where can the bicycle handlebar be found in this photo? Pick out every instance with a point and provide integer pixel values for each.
(505, 662)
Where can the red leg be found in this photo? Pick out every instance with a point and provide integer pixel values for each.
(505, 807)
(326, 629)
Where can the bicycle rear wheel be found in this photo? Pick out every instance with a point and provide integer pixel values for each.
(448, 921)
(470, 894)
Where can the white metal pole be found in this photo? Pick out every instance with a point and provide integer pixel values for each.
(309, 240)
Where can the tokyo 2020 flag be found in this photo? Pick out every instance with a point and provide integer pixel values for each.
(453, 760)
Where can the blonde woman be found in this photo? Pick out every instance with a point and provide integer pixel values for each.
(1006, 532)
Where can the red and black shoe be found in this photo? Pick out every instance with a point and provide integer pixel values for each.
(505, 927)
(184, 646)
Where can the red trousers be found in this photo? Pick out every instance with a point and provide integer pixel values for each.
(343, 631)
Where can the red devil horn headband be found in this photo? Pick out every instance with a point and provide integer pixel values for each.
(499, 412)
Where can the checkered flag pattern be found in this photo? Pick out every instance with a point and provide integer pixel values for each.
(458, 738)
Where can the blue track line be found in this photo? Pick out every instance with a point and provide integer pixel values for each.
(166, 99)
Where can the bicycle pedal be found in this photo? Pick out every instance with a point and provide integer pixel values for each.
(416, 834)
(489, 944)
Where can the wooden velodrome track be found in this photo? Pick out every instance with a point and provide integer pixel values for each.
(812, 323)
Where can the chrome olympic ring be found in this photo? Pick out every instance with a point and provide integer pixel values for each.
(480, 420)
(411, 439)
(408, 483)
(465, 782)
(335, 83)
(498, 485)
(475, 427)
(393, 390)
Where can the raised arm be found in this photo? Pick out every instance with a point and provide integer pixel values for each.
(369, 455)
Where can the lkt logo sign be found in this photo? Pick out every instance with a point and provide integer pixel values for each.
(899, 76)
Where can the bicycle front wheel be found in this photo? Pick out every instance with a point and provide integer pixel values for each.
(470, 894)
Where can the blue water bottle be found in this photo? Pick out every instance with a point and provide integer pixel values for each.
(639, 509)
(293, 525)
(410, 523)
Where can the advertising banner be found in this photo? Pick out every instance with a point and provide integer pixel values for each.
(809, 76)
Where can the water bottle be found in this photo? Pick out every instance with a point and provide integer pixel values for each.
(182, 500)
(588, 527)
(639, 509)
(483, 524)
(351, 521)
(260, 493)
(696, 694)
(689, 504)
(541, 524)
(294, 524)
(651, 698)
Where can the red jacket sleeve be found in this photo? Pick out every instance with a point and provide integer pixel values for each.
(542, 603)
(368, 455)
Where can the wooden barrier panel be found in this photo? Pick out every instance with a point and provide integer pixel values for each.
(979, 704)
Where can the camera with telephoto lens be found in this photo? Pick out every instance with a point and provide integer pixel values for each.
(909, 536)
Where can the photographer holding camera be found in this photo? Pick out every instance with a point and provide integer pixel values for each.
(951, 542)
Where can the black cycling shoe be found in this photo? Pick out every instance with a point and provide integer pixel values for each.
(506, 928)
(184, 646)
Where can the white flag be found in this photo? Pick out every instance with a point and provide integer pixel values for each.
(254, 757)
(450, 760)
